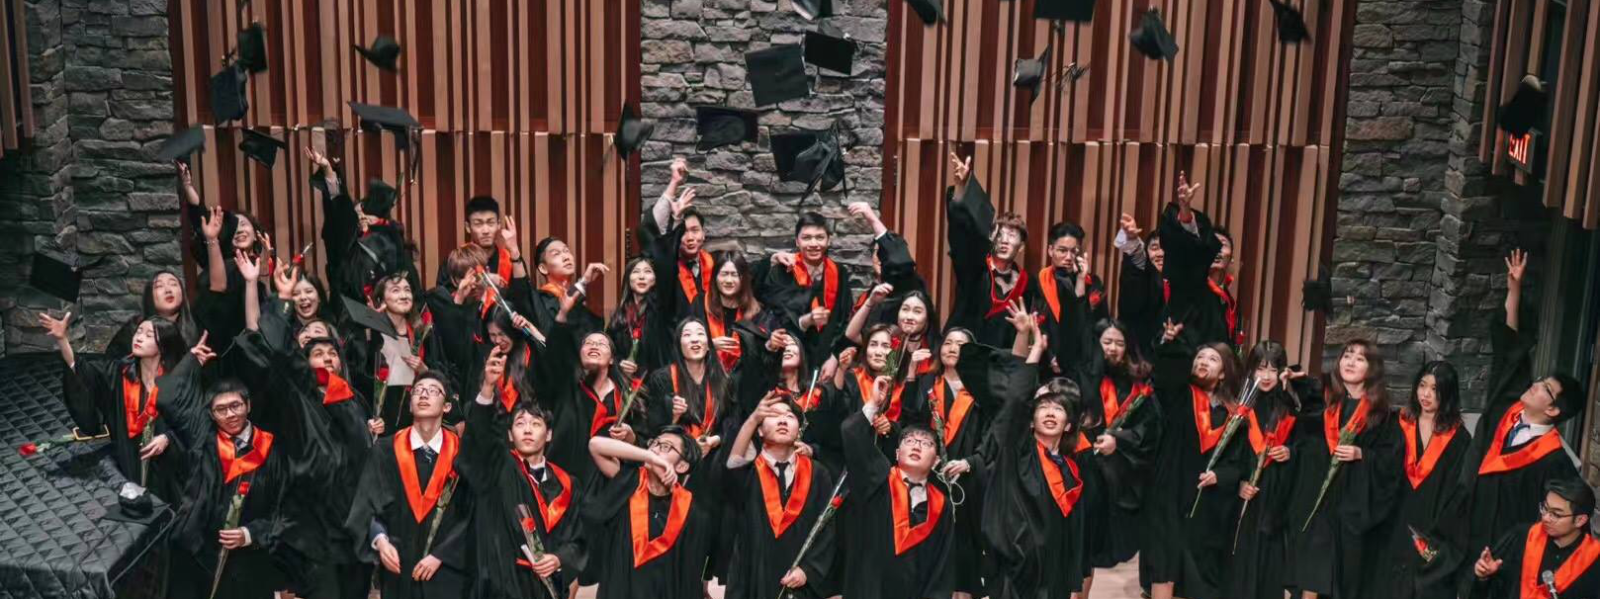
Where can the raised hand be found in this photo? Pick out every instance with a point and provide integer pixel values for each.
(1130, 226)
(680, 169)
(1516, 266)
(879, 294)
(1170, 331)
(684, 201)
(680, 406)
(283, 281)
(56, 328)
(184, 176)
(880, 391)
(594, 272)
(960, 169)
(1019, 317)
(847, 358)
(202, 352)
(1487, 565)
(508, 235)
(249, 268)
(318, 159)
(211, 223)
(493, 369)
(1186, 191)
(783, 259)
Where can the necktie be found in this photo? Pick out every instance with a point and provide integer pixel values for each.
(428, 454)
(919, 510)
(1005, 278)
(537, 473)
(241, 446)
(1511, 436)
(783, 483)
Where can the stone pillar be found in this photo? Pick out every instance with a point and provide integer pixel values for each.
(88, 184)
(693, 54)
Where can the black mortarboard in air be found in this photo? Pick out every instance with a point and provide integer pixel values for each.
(54, 277)
(1151, 37)
(632, 132)
(364, 315)
(183, 144)
(777, 74)
(383, 52)
(1316, 295)
(394, 120)
(812, 10)
(261, 147)
(253, 48)
(1030, 72)
(830, 50)
(228, 101)
(719, 126)
(1064, 10)
(380, 199)
(810, 156)
(1526, 108)
(930, 11)
(1291, 24)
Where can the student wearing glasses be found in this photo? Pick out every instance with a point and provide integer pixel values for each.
(652, 525)
(1553, 557)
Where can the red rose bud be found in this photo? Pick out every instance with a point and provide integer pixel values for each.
(1038, 319)
(638, 382)
(244, 488)
(322, 377)
(1094, 298)
(300, 260)
(637, 333)
(527, 525)
(896, 343)
(836, 502)
(28, 449)
(383, 373)
(366, 290)
(427, 317)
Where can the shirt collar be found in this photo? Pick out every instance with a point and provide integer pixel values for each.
(246, 434)
(437, 444)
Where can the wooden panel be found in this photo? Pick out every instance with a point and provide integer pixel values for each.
(1259, 123)
(16, 101)
(517, 99)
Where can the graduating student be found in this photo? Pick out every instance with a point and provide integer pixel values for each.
(638, 320)
(778, 492)
(1197, 257)
(693, 392)
(897, 522)
(1335, 546)
(1260, 545)
(1552, 557)
(240, 511)
(585, 393)
(732, 314)
(1516, 449)
(222, 232)
(458, 310)
(1184, 556)
(1111, 381)
(1032, 482)
(915, 316)
(1425, 545)
(121, 395)
(1067, 280)
(653, 531)
(984, 252)
(854, 384)
(1142, 292)
(892, 265)
(957, 417)
(559, 267)
(363, 243)
(411, 516)
(674, 237)
(783, 369)
(810, 286)
(165, 298)
(398, 360)
(520, 493)
(496, 235)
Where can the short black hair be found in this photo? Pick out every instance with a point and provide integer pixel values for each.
(481, 204)
(1576, 492)
(227, 386)
(691, 448)
(1571, 398)
(539, 248)
(433, 376)
(530, 408)
(811, 219)
(694, 213)
(916, 430)
(1062, 392)
(1066, 229)
(313, 342)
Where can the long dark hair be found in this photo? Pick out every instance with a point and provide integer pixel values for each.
(1133, 364)
(1377, 394)
(1282, 398)
(746, 298)
(185, 317)
(1446, 390)
(716, 377)
(516, 370)
(619, 316)
(1228, 385)
(930, 331)
(169, 342)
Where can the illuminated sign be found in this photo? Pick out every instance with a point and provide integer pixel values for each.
(1520, 149)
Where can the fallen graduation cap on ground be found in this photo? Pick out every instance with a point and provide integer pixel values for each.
(383, 52)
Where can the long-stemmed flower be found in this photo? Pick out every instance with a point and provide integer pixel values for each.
(530, 538)
(1247, 398)
(231, 522)
(835, 500)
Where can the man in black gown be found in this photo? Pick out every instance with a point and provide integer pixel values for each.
(1557, 551)
(984, 255)
(652, 533)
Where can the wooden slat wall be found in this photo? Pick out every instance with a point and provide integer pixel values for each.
(16, 101)
(517, 99)
(1572, 164)
(1259, 123)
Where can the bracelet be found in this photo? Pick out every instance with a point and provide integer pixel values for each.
(517, 260)
(211, 242)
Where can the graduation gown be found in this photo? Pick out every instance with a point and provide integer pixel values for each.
(796, 291)
(772, 524)
(1520, 577)
(652, 546)
(681, 284)
(501, 481)
(898, 268)
(1336, 554)
(106, 394)
(546, 301)
(1427, 498)
(857, 392)
(892, 556)
(821, 410)
(1208, 311)
(642, 324)
(1261, 538)
(399, 496)
(579, 412)
(1067, 316)
(1141, 300)
(1117, 506)
(961, 421)
(1032, 525)
(980, 302)
(710, 411)
(368, 346)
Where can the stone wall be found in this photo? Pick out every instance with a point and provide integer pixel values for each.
(88, 184)
(693, 54)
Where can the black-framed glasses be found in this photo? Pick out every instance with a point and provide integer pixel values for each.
(227, 409)
(666, 446)
(1546, 512)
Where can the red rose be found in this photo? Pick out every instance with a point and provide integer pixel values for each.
(244, 488)
(527, 524)
(838, 500)
(28, 449)
(383, 374)
(638, 382)
(896, 342)
(637, 333)
(1422, 545)
(300, 260)
(366, 290)
(427, 317)
(1094, 298)
(1038, 319)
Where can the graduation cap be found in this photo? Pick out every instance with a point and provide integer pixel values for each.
(228, 101)
(55, 278)
(720, 126)
(253, 48)
(380, 198)
(1316, 295)
(631, 131)
(383, 52)
(182, 144)
(365, 316)
(812, 10)
(810, 156)
(1064, 10)
(1152, 39)
(388, 118)
(1291, 24)
(930, 11)
(1526, 108)
(830, 50)
(1030, 72)
(261, 147)
(777, 74)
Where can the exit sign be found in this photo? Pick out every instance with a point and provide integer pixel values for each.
(1522, 150)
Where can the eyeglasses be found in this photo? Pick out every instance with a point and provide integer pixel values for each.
(428, 391)
(663, 445)
(1548, 388)
(922, 442)
(1546, 512)
(588, 343)
(228, 409)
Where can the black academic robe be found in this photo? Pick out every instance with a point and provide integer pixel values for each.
(1032, 523)
(717, 414)
(1573, 566)
(1261, 538)
(821, 409)
(979, 302)
(1117, 506)
(579, 412)
(355, 259)
(898, 268)
(891, 556)
(1427, 499)
(640, 323)
(1508, 495)
(1191, 552)
(962, 420)
(650, 546)
(681, 284)
(772, 524)
(367, 345)
(460, 331)
(399, 496)
(501, 482)
(105, 394)
(1141, 300)
(901, 407)
(796, 290)
(1067, 316)
(1208, 311)
(1335, 551)
(583, 320)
